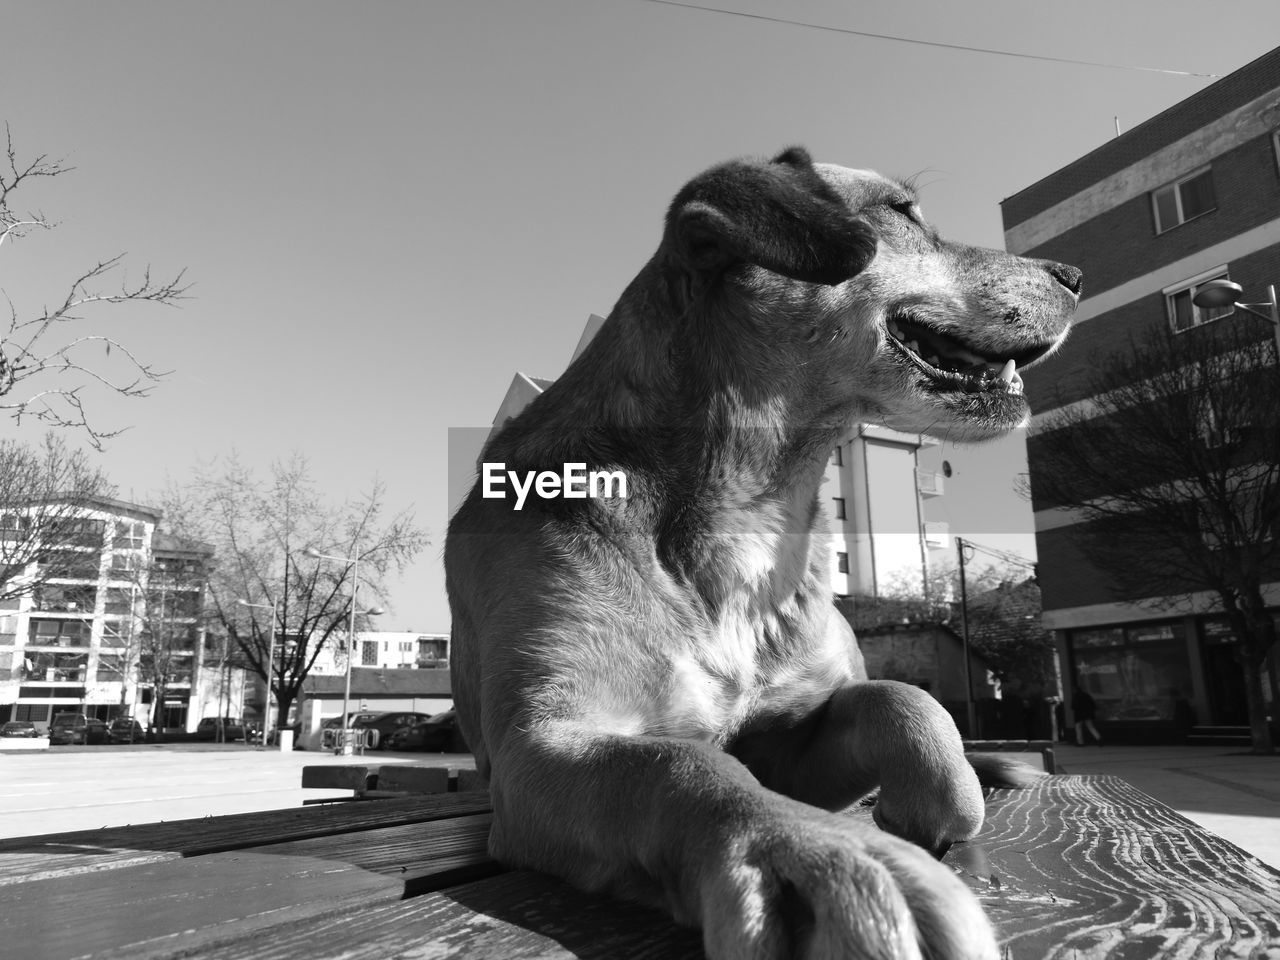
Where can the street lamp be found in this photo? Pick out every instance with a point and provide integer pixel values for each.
(271, 660)
(1224, 293)
(347, 747)
(971, 715)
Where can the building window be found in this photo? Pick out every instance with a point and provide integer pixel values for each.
(64, 598)
(1183, 200)
(369, 653)
(837, 457)
(1136, 674)
(842, 562)
(124, 563)
(1182, 313)
(59, 633)
(129, 536)
(83, 533)
(54, 666)
(840, 511)
(13, 526)
(32, 712)
(111, 668)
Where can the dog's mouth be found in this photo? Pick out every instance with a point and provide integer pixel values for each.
(952, 365)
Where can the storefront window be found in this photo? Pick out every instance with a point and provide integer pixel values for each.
(1135, 674)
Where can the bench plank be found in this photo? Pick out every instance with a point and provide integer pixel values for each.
(516, 916)
(169, 905)
(1088, 866)
(65, 854)
(420, 856)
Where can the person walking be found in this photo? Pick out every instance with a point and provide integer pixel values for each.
(1083, 710)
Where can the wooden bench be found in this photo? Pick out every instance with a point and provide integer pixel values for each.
(381, 781)
(1075, 867)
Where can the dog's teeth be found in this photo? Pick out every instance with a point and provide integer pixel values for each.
(1008, 371)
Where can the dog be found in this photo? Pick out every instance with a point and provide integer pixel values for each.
(658, 686)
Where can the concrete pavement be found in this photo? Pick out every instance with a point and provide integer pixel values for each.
(1224, 789)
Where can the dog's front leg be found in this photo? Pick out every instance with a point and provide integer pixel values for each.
(679, 824)
(876, 733)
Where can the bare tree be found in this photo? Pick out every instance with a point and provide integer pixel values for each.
(46, 531)
(47, 359)
(260, 532)
(1175, 469)
(1003, 613)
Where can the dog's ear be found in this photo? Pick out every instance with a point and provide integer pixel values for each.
(779, 215)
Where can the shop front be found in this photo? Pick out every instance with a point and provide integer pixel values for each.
(1153, 681)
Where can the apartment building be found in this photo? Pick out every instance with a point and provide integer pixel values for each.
(114, 627)
(1191, 195)
(387, 650)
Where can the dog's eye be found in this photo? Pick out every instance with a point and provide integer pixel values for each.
(906, 208)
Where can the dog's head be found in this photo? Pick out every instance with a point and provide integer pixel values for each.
(872, 310)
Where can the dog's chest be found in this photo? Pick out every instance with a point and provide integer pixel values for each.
(763, 633)
(761, 650)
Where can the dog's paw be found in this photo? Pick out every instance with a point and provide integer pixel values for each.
(826, 887)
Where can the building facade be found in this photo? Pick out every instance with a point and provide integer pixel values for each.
(1189, 196)
(387, 650)
(117, 629)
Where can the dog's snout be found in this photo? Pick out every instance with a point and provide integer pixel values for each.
(1069, 277)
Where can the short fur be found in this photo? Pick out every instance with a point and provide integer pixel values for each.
(659, 687)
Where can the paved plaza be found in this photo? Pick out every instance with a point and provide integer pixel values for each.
(1224, 789)
(84, 788)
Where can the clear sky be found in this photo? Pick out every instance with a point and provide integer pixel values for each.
(388, 208)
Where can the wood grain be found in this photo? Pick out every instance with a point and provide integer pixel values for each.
(167, 905)
(1088, 867)
(515, 916)
(65, 854)
(1072, 868)
(420, 856)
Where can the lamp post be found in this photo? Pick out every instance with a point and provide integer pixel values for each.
(1224, 293)
(347, 747)
(970, 711)
(271, 660)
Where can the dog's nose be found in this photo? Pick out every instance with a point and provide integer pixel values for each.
(1069, 277)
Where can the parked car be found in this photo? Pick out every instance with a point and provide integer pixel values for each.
(76, 728)
(377, 727)
(227, 729)
(125, 730)
(438, 733)
(19, 728)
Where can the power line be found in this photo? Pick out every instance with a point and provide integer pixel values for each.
(1005, 555)
(931, 43)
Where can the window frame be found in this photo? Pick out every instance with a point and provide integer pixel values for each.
(1176, 187)
(1200, 316)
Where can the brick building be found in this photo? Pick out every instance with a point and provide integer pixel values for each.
(1191, 195)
